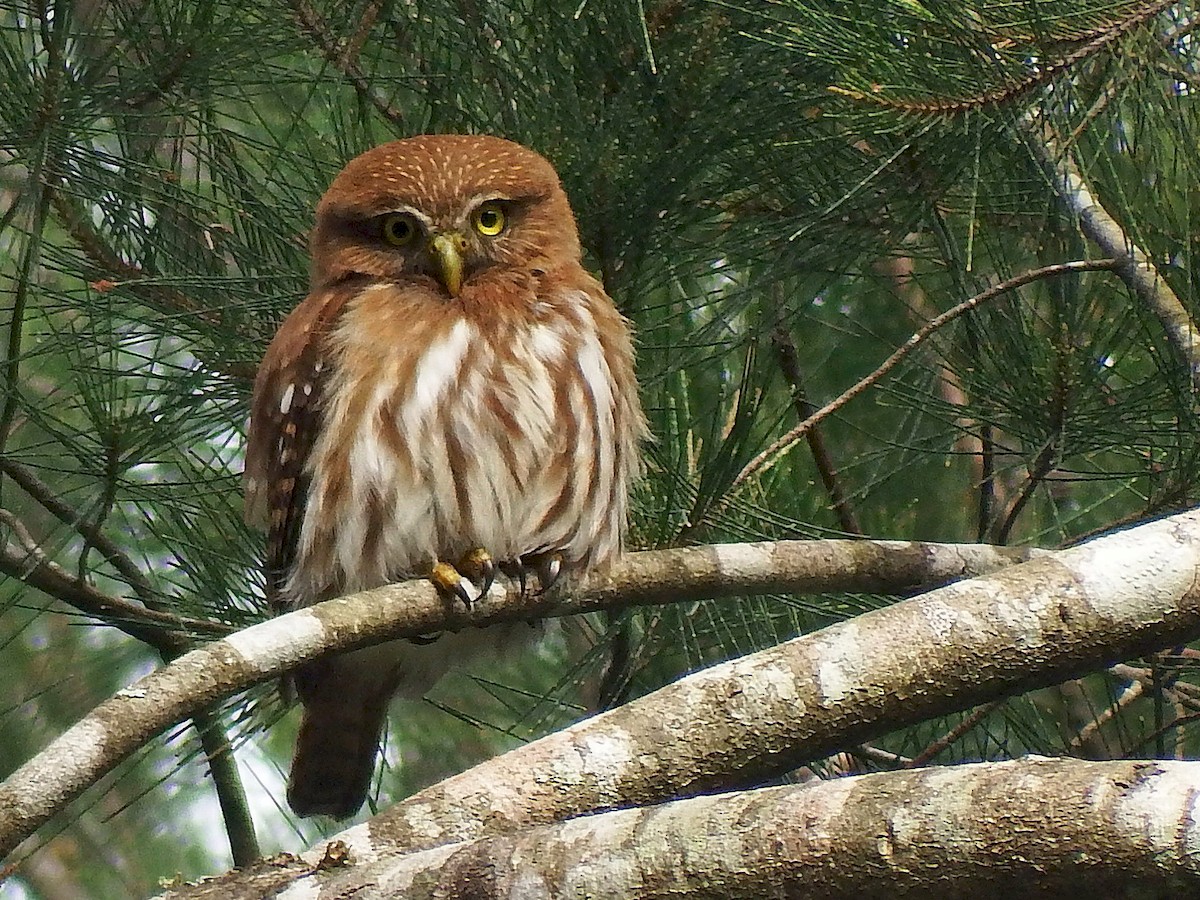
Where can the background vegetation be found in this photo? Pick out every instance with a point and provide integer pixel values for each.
(778, 194)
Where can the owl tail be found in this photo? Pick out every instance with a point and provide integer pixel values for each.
(335, 751)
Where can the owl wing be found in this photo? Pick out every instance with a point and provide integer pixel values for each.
(284, 423)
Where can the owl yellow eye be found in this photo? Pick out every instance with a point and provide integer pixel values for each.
(489, 219)
(398, 229)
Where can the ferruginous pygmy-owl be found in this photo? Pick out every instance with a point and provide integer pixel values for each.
(456, 393)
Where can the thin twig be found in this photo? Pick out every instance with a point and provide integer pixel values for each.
(166, 632)
(771, 455)
(48, 500)
(16, 323)
(1006, 93)
(1158, 733)
(968, 722)
(789, 365)
(1090, 729)
(874, 754)
(1041, 467)
(344, 54)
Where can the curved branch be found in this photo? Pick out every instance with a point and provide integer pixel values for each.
(963, 645)
(69, 516)
(164, 631)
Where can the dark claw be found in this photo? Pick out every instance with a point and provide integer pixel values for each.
(448, 580)
(462, 591)
(477, 566)
(549, 567)
(487, 574)
(515, 570)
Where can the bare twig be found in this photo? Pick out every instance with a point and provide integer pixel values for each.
(789, 365)
(967, 722)
(1007, 93)
(136, 279)
(16, 323)
(771, 455)
(878, 755)
(344, 54)
(1091, 728)
(116, 557)
(164, 631)
(1042, 465)
(227, 780)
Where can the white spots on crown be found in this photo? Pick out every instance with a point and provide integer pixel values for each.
(438, 173)
(285, 402)
(308, 389)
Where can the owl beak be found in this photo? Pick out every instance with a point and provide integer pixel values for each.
(448, 250)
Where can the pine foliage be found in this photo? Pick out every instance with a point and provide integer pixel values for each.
(779, 194)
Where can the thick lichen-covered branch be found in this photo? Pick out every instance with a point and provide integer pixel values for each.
(1030, 625)
(189, 684)
(963, 832)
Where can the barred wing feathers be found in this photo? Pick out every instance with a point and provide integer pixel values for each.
(284, 421)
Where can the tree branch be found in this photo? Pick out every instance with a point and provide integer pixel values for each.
(164, 631)
(152, 622)
(1135, 267)
(68, 515)
(963, 645)
(1111, 827)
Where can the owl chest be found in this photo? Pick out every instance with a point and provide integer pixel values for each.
(471, 444)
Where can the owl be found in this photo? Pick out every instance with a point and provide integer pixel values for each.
(455, 395)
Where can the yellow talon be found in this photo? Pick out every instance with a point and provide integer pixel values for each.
(475, 568)
(447, 579)
(477, 565)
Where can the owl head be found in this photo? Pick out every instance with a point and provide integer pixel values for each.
(446, 210)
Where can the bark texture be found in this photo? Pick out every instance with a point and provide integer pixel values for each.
(953, 648)
(1029, 828)
(119, 726)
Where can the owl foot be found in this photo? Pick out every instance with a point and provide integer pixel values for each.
(547, 566)
(475, 568)
(479, 567)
